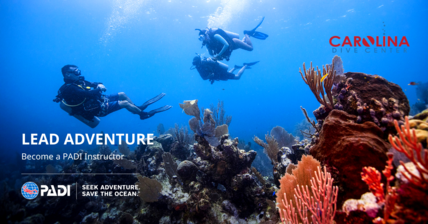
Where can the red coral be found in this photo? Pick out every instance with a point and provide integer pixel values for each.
(372, 178)
(408, 144)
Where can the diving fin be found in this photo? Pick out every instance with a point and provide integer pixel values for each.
(255, 34)
(260, 35)
(145, 115)
(239, 67)
(151, 101)
(251, 63)
(247, 64)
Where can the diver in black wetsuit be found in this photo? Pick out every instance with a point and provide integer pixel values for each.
(216, 71)
(86, 98)
(220, 43)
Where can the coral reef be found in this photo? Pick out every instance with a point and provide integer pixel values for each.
(348, 147)
(219, 114)
(371, 98)
(278, 150)
(320, 200)
(182, 140)
(206, 128)
(422, 94)
(149, 189)
(231, 167)
(313, 79)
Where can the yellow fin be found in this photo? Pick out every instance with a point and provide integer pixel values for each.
(325, 76)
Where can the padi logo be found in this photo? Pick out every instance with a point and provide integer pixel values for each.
(30, 190)
(59, 192)
(383, 44)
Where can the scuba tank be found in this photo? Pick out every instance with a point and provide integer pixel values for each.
(86, 104)
(232, 34)
(222, 66)
(91, 123)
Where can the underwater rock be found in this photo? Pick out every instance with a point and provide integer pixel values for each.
(34, 219)
(231, 167)
(150, 158)
(166, 141)
(348, 147)
(371, 98)
(111, 216)
(420, 124)
(90, 219)
(187, 171)
(367, 204)
(180, 151)
(230, 208)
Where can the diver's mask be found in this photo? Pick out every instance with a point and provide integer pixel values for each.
(73, 74)
(196, 61)
(74, 70)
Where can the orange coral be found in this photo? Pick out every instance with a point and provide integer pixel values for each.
(407, 143)
(302, 175)
(320, 201)
(372, 178)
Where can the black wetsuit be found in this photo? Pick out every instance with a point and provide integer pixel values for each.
(214, 46)
(212, 71)
(80, 93)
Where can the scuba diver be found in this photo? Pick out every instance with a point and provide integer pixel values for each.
(216, 71)
(220, 43)
(85, 101)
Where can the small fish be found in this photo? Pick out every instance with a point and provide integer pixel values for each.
(405, 90)
(419, 100)
(376, 76)
(364, 77)
(273, 193)
(223, 89)
(325, 76)
(413, 84)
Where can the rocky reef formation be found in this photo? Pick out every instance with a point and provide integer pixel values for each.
(370, 98)
(347, 147)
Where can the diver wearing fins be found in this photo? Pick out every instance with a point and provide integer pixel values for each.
(220, 43)
(216, 71)
(85, 101)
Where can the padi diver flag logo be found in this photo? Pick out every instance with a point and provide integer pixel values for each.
(30, 190)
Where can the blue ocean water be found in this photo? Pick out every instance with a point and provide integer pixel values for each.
(144, 48)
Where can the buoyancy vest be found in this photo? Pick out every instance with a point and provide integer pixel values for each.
(86, 107)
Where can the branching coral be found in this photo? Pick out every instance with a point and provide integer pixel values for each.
(372, 178)
(271, 148)
(301, 175)
(281, 136)
(219, 114)
(206, 129)
(321, 203)
(181, 135)
(407, 143)
(313, 79)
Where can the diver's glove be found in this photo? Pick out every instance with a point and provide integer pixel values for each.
(102, 87)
